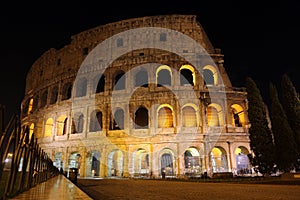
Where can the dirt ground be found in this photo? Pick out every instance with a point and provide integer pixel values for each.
(131, 189)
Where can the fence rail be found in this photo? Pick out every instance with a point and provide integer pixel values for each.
(23, 164)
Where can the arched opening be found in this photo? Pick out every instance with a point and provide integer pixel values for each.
(93, 163)
(48, 127)
(74, 161)
(242, 161)
(96, 121)
(119, 82)
(141, 162)
(100, 84)
(141, 79)
(115, 163)
(54, 95)
(238, 115)
(66, 91)
(187, 72)
(219, 160)
(192, 162)
(58, 161)
(186, 77)
(61, 125)
(79, 122)
(118, 120)
(165, 117)
(163, 76)
(81, 86)
(215, 115)
(44, 98)
(210, 75)
(167, 160)
(189, 117)
(141, 118)
(212, 117)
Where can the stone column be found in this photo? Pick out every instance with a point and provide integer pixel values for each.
(181, 165)
(125, 164)
(229, 157)
(83, 163)
(155, 164)
(103, 163)
(130, 164)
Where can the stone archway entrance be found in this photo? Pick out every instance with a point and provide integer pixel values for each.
(93, 163)
(218, 160)
(141, 163)
(58, 161)
(115, 163)
(74, 161)
(192, 162)
(242, 161)
(167, 162)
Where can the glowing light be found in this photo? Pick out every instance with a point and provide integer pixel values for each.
(191, 68)
(48, 127)
(30, 106)
(237, 151)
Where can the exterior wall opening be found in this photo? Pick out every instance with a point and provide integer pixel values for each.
(219, 160)
(58, 161)
(165, 118)
(141, 79)
(189, 118)
(141, 118)
(96, 122)
(163, 77)
(115, 163)
(74, 161)
(141, 163)
(186, 77)
(93, 163)
(100, 84)
(167, 164)
(192, 162)
(120, 81)
(242, 161)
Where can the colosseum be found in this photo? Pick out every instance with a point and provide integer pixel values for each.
(141, 97)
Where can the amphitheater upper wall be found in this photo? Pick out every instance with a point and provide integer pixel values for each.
(57, 65)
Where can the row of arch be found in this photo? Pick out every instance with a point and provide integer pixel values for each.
(163, 78)
(165, 118)
(141, 162)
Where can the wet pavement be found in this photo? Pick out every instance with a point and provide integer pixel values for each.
(56, 188)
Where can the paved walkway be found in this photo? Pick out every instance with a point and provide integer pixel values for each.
(138, 189)
(56, 188)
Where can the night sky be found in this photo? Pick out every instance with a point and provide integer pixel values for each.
(258, 40)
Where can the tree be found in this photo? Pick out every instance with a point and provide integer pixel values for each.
(261, 141)
(291, 105)
(286, 152)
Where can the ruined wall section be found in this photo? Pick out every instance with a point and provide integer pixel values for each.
(55, 65)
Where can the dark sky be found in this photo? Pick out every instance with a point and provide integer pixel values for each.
(259, 40)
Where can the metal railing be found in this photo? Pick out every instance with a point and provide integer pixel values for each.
(23, 164)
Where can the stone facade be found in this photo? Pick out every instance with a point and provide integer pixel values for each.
(136, 118)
